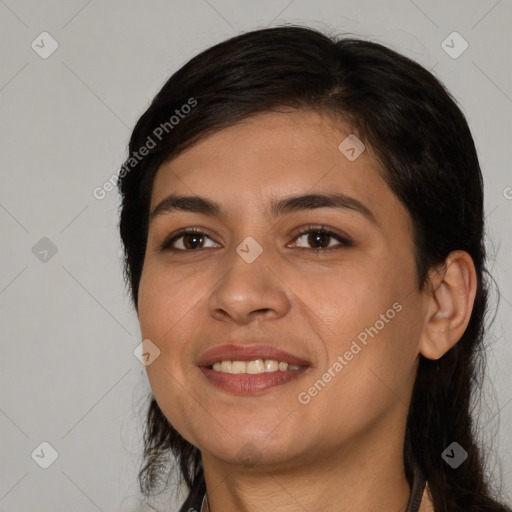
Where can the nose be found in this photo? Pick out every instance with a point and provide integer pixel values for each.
(249, 291)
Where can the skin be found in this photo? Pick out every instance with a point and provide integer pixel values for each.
(342, 451)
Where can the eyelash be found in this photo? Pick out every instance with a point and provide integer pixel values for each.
(345, 242)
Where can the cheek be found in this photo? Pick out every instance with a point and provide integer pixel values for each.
(373, 366)
(347, 303)
(374, 323)
(160, 308)
(165, 298)
(163, 319)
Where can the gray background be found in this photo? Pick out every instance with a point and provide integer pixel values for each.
(68, 373)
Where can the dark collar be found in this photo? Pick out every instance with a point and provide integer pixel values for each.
(418, 486)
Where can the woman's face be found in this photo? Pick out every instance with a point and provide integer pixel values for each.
(343, 307)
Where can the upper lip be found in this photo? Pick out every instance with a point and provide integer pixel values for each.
(233, 352)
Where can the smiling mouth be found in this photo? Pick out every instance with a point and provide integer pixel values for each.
(254, 367)
(246, 369)
(251, 377)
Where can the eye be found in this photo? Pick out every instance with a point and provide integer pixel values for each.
(188, 240)
(322, 238)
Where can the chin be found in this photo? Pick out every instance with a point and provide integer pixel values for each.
(250, 446)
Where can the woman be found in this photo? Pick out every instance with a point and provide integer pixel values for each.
(302, 219)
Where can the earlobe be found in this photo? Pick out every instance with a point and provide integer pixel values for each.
(449, 304)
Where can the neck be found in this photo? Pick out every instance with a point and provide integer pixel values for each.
(364, 474)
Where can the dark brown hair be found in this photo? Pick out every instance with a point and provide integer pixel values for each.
(423, 143)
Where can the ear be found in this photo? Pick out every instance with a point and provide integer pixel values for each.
(450, 299)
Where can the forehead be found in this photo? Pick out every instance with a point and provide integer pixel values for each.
(274, 154)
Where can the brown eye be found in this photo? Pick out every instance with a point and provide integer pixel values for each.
(319, 238)
(192, 241)
(189, 240)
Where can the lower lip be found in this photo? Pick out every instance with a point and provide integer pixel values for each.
(246, 383)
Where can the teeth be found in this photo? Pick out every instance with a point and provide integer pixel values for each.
(253, 367)
(271, 365)
(225, 366)
(238, 367)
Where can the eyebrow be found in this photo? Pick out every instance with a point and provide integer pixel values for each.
(196, 204)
